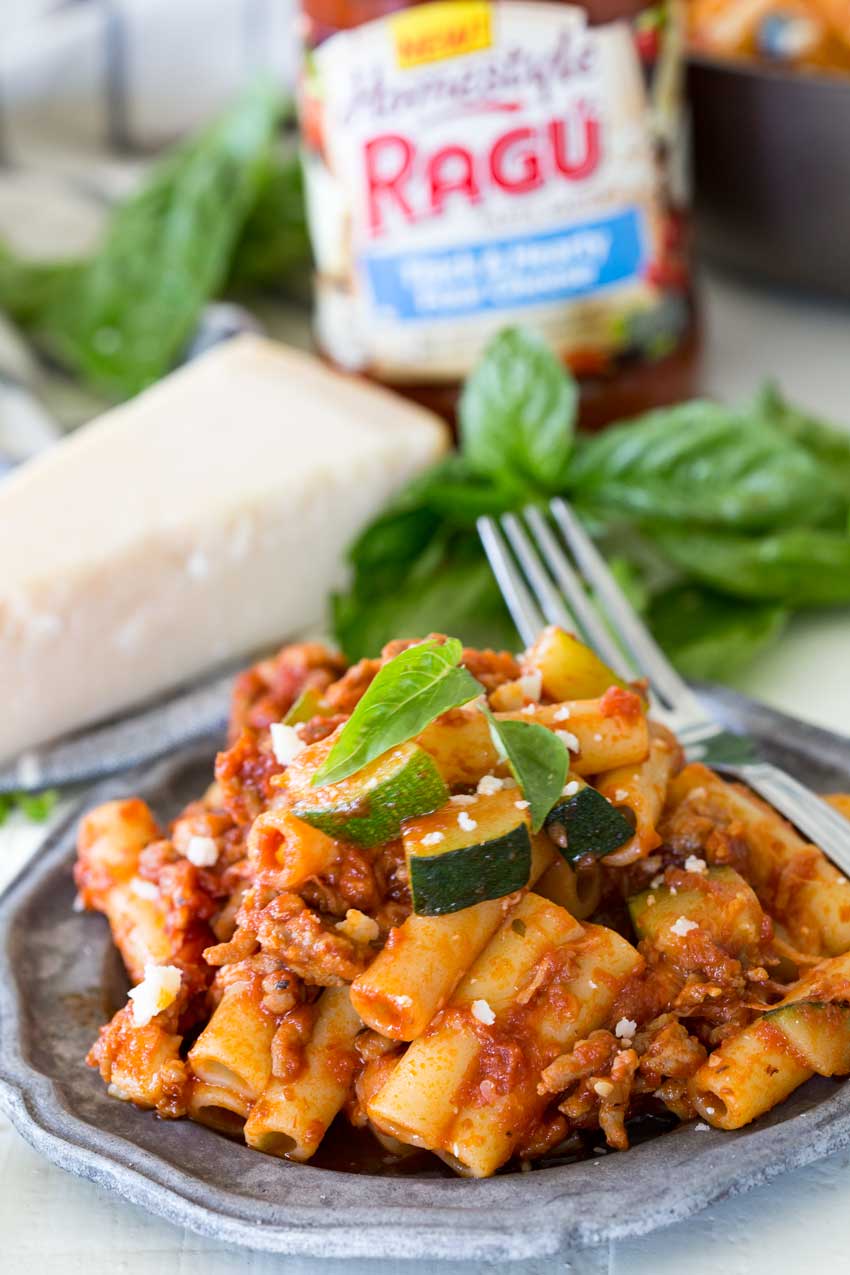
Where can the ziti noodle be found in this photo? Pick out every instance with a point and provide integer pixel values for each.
(500, 919)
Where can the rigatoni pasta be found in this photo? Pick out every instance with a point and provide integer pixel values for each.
(516, 922)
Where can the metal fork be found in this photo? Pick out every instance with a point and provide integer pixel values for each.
(531, 562)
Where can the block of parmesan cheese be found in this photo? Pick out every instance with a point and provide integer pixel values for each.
(203, 520)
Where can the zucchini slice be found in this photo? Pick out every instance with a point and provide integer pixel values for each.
(570, 670)
(370, 806)
(587, 823)
(466, 853)
(723, 905)
(818, 1034)
(307, 706)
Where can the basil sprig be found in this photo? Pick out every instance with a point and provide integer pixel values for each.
(539, 762)
(408, 693)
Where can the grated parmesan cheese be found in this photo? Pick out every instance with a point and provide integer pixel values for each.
(466, 822)
(570, 789)
(621, 795)
(157, 990)
(529, 709)
(482, 1011)
(358, 927)
(703, 1128)
(433, 838)
(683, 926)
(286, 742)
(202, 851)
(561, 713)
(568, 740)
(625, 1029)
(522, 805)
(531, 685)
(489, 784)
(462, 799)
(694, 864)
(604, 1088)
(144, 889)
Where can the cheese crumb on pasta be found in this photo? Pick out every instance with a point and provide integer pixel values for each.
(482, 1011)
(286, 742)
(358, 927)
(144, 889)
(625, 1029)
(157, 990)
(683, 926)
(694, 864)
(202, 851)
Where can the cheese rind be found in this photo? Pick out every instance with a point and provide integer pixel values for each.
(205, 519)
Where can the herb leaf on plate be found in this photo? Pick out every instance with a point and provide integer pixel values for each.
(703, 463)
(539, 762)
(517, 413)
(408, 692)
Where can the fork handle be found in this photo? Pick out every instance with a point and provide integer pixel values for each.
(822, 825)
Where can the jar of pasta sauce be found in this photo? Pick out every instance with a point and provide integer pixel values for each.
(475, 164)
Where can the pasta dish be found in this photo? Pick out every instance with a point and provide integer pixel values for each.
(477, 905)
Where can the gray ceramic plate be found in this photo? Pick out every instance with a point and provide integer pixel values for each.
(59, 979)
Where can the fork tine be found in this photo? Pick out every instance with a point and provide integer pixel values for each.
(648, 656)
(592, 628)
(544, 590)
(524, 612)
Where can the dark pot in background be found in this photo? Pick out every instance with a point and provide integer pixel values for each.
(772, 173)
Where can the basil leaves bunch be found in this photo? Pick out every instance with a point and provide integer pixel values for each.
(721, 521)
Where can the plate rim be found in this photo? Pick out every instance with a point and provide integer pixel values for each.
(513, 1217)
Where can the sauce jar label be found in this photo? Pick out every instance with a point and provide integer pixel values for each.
(470, 165)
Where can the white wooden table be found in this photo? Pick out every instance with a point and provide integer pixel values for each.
(53, 1224)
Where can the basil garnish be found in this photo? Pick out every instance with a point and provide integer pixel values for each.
(408, 693)
(539, 762)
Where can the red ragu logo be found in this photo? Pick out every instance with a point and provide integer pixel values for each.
(418, 184)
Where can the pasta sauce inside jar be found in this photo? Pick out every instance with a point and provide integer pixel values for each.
(476, 164)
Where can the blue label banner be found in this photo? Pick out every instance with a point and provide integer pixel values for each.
(505, 274)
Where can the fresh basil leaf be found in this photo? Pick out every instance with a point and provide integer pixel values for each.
(801, 567)
(126, 315)
(517, 413)
(450, 587)
(37, 806)
(408, 692)
(274, 244)
(29, 288)
(539, 762)
(827, 443)
(703, 463)
(710, 636)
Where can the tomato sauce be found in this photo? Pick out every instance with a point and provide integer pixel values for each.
(488, 163)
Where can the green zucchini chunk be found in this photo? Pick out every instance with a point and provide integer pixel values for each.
(723, 905)
(465, 854)
(307, 706)
(818, 1034)
(587, 823)
(370, 807)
